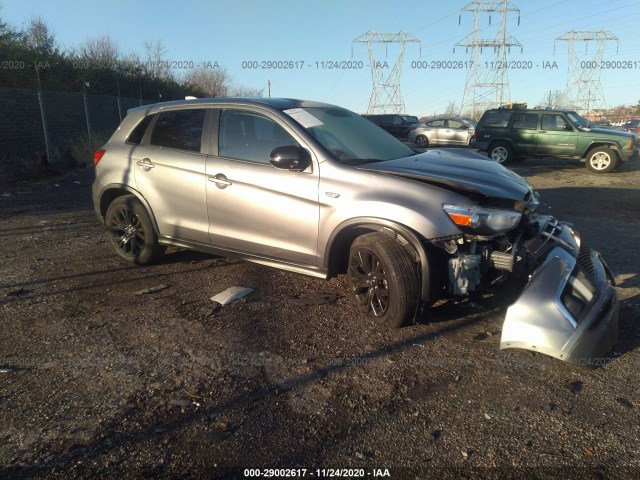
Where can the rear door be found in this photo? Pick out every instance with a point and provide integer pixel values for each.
(170, 173)
(524, 132)
(254, 207)
(436, 129)
(557, 136)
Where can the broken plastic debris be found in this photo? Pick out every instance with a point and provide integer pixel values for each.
(155, 289)
(231, 294)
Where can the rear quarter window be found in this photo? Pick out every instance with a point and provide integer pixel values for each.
(497, 119)
(137, 134)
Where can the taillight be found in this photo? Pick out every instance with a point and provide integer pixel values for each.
(98, 156)
(474, 137)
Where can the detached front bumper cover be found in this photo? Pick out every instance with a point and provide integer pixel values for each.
(569, 309)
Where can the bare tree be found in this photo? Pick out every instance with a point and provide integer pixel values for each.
(244, 91)
(452, 109)
(211, 82)
(554, 99)
(38, 36)
(100, 51)
(156, 64)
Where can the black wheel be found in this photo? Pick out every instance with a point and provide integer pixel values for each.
(422, 141)
(501, 152)
(384, 279)
(130, 231)
(602, 160)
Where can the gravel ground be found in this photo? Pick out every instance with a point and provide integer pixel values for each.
(101, 382)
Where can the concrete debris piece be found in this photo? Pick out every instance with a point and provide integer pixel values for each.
(155, 289)
(231, 294)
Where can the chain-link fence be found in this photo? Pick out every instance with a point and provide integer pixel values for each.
(43, 132)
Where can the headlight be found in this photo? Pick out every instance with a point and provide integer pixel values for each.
(482, 221)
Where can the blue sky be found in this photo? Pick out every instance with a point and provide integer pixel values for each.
(233, 32)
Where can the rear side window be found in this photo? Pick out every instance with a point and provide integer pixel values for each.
(436, 123)
(137, 134)
(526, 121)
(180, 129)
(497, 119)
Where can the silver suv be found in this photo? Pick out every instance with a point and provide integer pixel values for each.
(317, 189)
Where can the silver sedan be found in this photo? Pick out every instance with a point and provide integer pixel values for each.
(443, 131)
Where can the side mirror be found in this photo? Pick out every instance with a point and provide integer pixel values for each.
(290, 157)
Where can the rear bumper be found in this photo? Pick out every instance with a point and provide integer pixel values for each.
(569, 309)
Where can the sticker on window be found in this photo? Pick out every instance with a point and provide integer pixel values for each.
(303, 117)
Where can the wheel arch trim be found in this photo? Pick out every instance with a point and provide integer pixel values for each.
(344, 229)
(130, 190)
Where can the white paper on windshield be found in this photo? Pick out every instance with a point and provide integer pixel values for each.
(303, 117)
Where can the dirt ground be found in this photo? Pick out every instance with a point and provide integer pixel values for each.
(100, 382)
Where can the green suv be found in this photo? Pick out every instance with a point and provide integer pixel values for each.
(509, 135)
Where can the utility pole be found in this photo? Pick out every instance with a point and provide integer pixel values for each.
(487, 84)
(269, 87)
(386, 96)
(584, 90)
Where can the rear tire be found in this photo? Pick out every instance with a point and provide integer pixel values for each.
(383, 279)
(602, 160)
(501, 152)
(131, 232)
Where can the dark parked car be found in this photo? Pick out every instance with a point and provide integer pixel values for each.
(443, 131)
(510, 135)
(632, 126)
(316, 189)
(396, 124)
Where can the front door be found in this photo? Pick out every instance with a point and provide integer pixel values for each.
(254, 207)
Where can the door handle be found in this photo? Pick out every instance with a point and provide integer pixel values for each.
(146, 164)
(220, 180)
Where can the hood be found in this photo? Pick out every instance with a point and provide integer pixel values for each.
(609, 131)
(459, 169)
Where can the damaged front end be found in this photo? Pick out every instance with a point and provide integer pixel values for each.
(568, 308)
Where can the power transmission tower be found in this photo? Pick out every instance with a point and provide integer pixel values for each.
(584, 90)
(386, 96)
(487, 84)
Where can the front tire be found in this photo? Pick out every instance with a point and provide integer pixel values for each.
(602, 160)
(383, 279)
(422, 141)
(501, 152)
(131, 232)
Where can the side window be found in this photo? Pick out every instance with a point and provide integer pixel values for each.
(436, 123)
(497, 119)
(181, 129)
(526, 121)
(455, 124)
(397, 120)
(553, 122)
(137, 134)
(249, 136)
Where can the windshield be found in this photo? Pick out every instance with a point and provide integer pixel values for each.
(578, 120)
(410, 119)
(350, 138)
